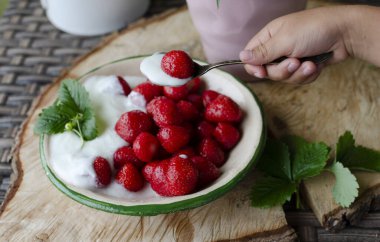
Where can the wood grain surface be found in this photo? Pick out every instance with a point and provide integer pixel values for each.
(345, 97)
(36, 210)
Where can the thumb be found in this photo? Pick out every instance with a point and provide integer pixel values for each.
(261, 53)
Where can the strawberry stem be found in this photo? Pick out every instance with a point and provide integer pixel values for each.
(80, 134)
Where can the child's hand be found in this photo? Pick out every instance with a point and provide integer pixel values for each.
(297, 35)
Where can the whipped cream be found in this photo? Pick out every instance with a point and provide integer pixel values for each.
(151, 68)
(73, 163)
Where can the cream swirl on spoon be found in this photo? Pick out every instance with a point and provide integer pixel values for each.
(151, 68)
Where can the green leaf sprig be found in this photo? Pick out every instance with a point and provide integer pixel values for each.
(356, 157)
(288, 162)
(71, 111)
(285, 165)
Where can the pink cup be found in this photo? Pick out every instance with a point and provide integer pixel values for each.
(226, 30)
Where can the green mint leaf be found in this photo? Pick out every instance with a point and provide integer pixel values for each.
(345, 143)
(88, 127)
(346, 186)
(308, 159)
(218, 3)
(275, 160)
(51, 121)
(362, 158)
(73, 95)
(270, 191)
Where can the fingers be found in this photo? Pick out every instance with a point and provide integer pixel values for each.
(306, 73)
(263, 48)
(283, 70)
(263, 53)
(289, 71)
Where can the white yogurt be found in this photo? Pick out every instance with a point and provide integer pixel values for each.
(72, 162)
(151, 68)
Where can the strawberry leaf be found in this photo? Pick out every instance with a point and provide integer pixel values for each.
(88, 127)
(308, 159)
(362, 158)
(346, 186)
(345, 143)
(73, 95)
(51, 121)
(275, 160)
(270, 191)
(72, 111)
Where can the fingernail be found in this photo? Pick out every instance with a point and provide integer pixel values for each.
(254, 73)
(258, 75)
(246, 55)
(292, 67)
(307, 71)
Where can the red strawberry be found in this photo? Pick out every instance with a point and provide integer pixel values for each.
(130, 177)
(194, 85)
(164, 111)
(187, 110)
(124, 85)
(146, 146)
(223, 109)
(125, 155)
(196, 100)
(148, 90)
(148, 170)
(210, 149)
(208, 172)
(181, 176)
(178, 64)
(131, 124)
(208, 96)
(227, 135)
(205, 129)
(102, 170)
(156, 175)
(176, 93)
(173, 138)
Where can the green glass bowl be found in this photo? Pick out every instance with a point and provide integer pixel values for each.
(240, 160)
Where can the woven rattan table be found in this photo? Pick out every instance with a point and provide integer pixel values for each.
(32, 54)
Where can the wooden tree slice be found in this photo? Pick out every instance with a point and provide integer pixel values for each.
(345, 97)
(36, 210)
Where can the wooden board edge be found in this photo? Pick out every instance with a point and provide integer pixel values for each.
(340, 218)
(17, 170)
(284, 234)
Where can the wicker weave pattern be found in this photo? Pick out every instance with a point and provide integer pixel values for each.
(32, 54)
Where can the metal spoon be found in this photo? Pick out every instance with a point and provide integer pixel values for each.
(202, 69)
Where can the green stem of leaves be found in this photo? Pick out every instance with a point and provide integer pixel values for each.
(80, 132)
(298, 199)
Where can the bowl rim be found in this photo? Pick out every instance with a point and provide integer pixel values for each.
(163, 208)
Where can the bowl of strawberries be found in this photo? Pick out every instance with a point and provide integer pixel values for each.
(124, 145)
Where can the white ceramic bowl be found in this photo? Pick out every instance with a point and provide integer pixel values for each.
(241, 159)
(93, 17)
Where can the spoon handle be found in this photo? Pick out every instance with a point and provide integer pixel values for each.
(317, 59)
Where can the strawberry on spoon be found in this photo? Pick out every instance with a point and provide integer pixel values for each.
(176, 68)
